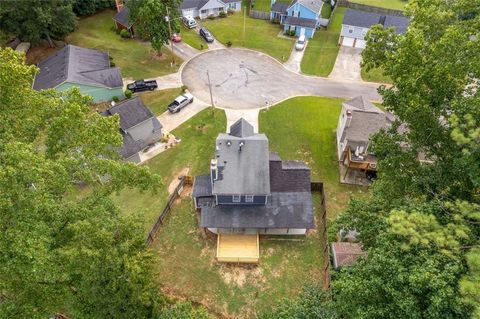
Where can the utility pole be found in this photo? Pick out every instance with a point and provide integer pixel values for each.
(244, 21)
(170, 33)
(211, 95)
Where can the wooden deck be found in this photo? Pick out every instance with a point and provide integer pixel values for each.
(233, 248)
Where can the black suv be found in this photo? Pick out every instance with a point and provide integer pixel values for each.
(204, 33)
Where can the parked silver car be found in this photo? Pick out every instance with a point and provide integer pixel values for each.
(180, 102)
(300, 44)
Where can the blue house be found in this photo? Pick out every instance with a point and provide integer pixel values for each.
(301, 16)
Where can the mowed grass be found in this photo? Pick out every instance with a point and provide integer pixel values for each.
(186, 267)
(136, 59)
(387, 4)
(192, 38)
(191, 155)
(261, 35)
(322, 49)
(158, 101)
(304, 128)
(375, 75)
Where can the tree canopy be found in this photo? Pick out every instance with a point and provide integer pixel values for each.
(46, 19)
(66, 248)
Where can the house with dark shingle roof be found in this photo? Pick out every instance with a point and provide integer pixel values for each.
(138, 125)
(356, 24)
(358, 121)
(301, 16)
(87, 69)
(204, 8)
(250, 190)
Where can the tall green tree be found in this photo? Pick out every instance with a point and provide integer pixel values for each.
(88, 7)
(40, 20)
(149, 18)
(64, 250)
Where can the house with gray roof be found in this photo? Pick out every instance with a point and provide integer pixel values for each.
(204, 8)
(358, 121)
(356, 24)
(251, 190)
(87, 69)
(122, 19)
(300, 16)
(138, 125)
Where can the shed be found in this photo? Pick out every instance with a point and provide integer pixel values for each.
(345, 254)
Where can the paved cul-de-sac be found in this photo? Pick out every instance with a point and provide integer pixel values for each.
(246, 79)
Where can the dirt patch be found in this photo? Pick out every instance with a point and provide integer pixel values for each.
(173, 184)
(234, 275)
(38, 53)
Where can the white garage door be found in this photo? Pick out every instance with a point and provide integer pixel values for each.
(361, 44)
(188, 12)
(348, 42)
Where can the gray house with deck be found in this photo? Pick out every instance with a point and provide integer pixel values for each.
(250, 190)
(138, 125)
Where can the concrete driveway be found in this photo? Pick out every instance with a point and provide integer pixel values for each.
(170, 121)
(246, 79)
(293, 63)
(347, 65)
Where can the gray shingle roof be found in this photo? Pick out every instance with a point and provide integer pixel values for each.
(300, 22)
(245, 171)
(289, 176)
(77, 65)
(314, 5)
(280, 7)
(359, 102)
(364, 125)
(202, 186)
(367, 19)
(131, 111)
(400, 23)
(283, 210)
(189, 4)
(122, 17)
(130, 146)
(241, 128)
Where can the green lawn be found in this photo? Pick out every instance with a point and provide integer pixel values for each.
(158, 101)
(388, 4)
(136, 59)
(308, 133)
(322, 50)
(191, 37)
(259, 34)
(375, 75)
(193, 153)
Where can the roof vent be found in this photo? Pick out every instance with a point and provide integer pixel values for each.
(229, 143)
(240, 146)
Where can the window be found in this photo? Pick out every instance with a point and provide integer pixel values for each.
(204, 11)
(248, 198)
(236, 198)
(350, 29)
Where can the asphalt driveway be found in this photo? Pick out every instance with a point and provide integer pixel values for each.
(246, 79)
(347, 64)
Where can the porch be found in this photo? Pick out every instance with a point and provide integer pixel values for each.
(233, 248)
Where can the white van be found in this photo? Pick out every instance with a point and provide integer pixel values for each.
(189, 22)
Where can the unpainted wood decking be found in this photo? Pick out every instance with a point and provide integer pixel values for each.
(234, 248)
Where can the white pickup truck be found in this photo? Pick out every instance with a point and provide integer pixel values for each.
(180, 102)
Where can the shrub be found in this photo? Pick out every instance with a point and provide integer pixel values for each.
(112, 64)
(276, 21)
(115, 99)
(117, 30)
(128, 93)
(229, 43)
(125, 34)
(211, 17)
(292, 33)
(222, 15)
(230, 11)
(184, 88)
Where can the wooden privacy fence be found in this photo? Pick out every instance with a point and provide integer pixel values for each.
(183, 180)
(259, 14)
(318, 187)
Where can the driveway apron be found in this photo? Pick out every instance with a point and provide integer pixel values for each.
(347, 64)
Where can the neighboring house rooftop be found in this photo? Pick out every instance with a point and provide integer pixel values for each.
(345, 254)
(314, 5)
(77, 65)
(280, 7)
(242, 159)
(301, 22)
(122, 17)
(363, 125)
(360, 103)
(198, 4)
(131, 111)
(368, 19)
